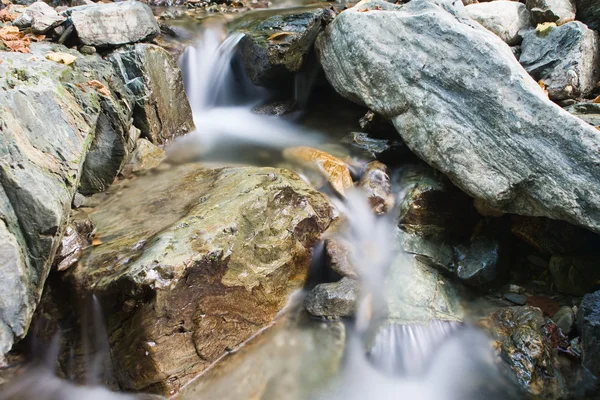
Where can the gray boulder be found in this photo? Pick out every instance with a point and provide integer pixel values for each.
(566, 59)
(162, 110)
(466, 106)
(503, 17)
(333, 300)
(588, 12)
(40, 17)
(47, 124)
(588, 323)
(559, 11)
(113, 24)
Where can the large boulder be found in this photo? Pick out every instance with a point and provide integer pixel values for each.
(113, 24)
(48, 118)
(588, 12)
(466, 106)
(274, 48)
(505, 18)
(565, 58)
(212, 259)
(588, 323)
(162, 110)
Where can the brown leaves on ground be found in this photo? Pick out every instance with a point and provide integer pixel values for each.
(15, 40)
(6, 16)
(61, 58)
(99, 86)
(543, 86)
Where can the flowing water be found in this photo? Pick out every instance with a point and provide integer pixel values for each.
(382, 358)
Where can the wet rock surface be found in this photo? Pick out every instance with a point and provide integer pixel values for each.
(504, 18)
(521, 173)
(162, 111)
(565, 58)
(275, 48)
(588, 12)
(333, 300)
(201, 273)
(558, 11)
(375, 183)
(482, 263)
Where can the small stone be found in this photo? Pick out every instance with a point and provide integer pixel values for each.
(333, 300)
(144, 157)
(559, 11)
(40, 17)
(564, 318)
(575, 275)
(516, 298)
(89, 50)
(375, 183)
(338, 251)
(482, 264)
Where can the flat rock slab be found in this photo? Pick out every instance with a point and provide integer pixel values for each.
(194, 261)
(113, 24)
(462, 102)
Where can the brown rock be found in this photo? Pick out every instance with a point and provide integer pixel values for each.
(194, 261)
(375, 182)
(332, 168)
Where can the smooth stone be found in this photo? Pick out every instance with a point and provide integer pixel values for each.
(516, 298)
(565, 59)
(482, 265)
(113, 24)
(40, 17)
(375, 183)
(495, 155)
(504, 18)
(338, 251)
(588, 324)
(565, 319)
(333, 300)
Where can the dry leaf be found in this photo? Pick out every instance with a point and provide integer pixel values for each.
(14, 40)
(96, 241)
(365, 10)
(543, 86)
(596, 100)
(279, 34)
(100, 88)
(36, 38)
(80, 86)
(5, 16)
(61, 58)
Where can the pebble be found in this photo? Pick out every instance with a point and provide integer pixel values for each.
(516, 298)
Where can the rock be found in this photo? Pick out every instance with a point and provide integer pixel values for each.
(433, 252)
(432, 206)
(559, 11)
(333, 300)
(327, 166)
(113, 24)
(162, 110)
(273, 49)
(552, 237)
(588, 323)
(145, 156)
(504, 18)
(338, 251)
(48, 117)
(496, 155)
(588, 12)
(380, 149)
(76, 239)
(524, 347)
(40, 17)
(589, 112)
(564, 319)
(575, 275)
(516, 298)
(213, 258)
(89, 50)
(565, 59)
(482, 265)
(375, 183)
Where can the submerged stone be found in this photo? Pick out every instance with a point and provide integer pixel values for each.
(213, 257)
(333, 300)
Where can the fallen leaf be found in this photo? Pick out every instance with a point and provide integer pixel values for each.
(14, 40)
(5, 16)
(548, 305)
(36, 38)
(80, 86)
(96, 242)
(279, 34)
(596, 100)
(543, 86)
(99, 86)
(365, 10)
(61, 58)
